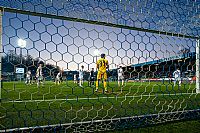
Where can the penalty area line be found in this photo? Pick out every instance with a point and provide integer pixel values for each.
(95, 98)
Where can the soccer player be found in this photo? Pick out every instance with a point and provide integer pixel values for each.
(102, 65)
(58, 78)
(92, 77)
(75, 79)
(120, 76)
(81, 71)
(39, 75)
(177, 76)
(28, 77)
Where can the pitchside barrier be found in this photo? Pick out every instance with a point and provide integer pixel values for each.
(48, 49)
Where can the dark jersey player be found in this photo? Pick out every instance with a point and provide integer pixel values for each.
(92, 77)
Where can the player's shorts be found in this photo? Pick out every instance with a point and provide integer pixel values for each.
(101, 75)
(91, 78)
(57, 79)
(40, 78)
(177, 79)
(120, 77)
(28, 79)
(81, 77)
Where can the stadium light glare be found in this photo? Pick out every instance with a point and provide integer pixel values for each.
(21, 43)
(96, 52)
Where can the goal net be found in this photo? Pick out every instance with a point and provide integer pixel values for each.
(88, 66)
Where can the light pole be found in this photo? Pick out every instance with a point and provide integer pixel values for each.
(22, 44)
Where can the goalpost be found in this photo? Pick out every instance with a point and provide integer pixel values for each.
(197, 66)
(71, 34)
(1, 14)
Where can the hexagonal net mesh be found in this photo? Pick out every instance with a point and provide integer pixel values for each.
(86, 66)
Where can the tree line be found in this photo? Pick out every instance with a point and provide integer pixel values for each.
(11, 61)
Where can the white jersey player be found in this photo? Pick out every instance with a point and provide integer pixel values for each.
(39, 75)
(75, 79)
(120, 73)
(28, 77)
(81, 72)
(177, 76)
(58, 78)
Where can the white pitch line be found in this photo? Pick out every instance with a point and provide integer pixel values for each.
(96, 98)
(93, 121)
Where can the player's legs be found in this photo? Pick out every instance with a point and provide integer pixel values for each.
(55, 80)
(105, 84)
(118, 81)
(97, 84)
(122, 82)
(120, 78)
(105, 81)
(179, 81)
(78, 81)
(81, 81)
(59, 81)
(75, 80)
(89, 82)
(29, 80)
(41, 80)
(26, 82)
(99, 76)
(38, 81)
(175, 81)
(42, 83)
(34, 80)
(92, 80)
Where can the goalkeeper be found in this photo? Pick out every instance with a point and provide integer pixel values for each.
(102, 65)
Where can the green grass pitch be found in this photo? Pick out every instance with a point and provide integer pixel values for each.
(28, 106)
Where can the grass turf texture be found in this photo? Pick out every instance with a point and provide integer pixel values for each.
(27, 106)
(174, 127)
